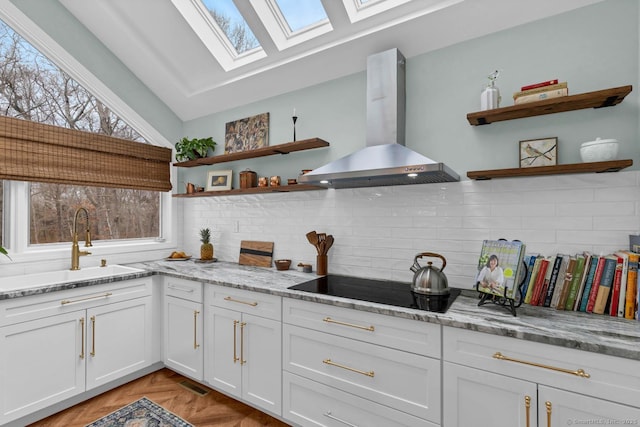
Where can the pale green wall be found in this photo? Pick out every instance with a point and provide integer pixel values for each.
(592, 48)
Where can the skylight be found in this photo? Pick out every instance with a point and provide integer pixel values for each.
(232, 23)
(300, 14)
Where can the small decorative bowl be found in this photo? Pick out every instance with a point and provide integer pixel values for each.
(600, 150)
(283, 264)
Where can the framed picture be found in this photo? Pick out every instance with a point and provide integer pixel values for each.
(247, 134)
(538, 152)
(219, 180)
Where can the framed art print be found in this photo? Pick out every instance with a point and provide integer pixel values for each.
(539, 152)
(219, 180)
(247, 134)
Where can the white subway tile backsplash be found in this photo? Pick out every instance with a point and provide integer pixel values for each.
(378, 231)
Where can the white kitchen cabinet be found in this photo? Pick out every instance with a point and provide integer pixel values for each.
(57, 345)
(243, 347)
(183, 327)
(376, 358)
(488, 378)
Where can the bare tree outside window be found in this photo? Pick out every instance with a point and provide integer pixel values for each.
(32, 88)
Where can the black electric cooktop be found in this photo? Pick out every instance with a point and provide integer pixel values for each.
(379, 291)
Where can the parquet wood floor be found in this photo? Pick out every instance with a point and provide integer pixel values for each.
(163, 387)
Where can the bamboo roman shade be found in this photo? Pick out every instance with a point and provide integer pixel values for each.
(32, 151)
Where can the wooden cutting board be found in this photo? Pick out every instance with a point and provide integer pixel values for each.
(256, 253)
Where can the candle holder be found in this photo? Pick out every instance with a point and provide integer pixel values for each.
(295, 118)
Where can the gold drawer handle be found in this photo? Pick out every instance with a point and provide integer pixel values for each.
(69, 301)
(549, 407)
(83, 344)
(337, 322)
(195, 329)
(527, 406)
(329, 415)
(252, 304)
(358, 371)
(580, 372)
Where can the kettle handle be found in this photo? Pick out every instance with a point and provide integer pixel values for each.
(428, 254)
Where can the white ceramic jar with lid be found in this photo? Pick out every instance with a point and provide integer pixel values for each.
(600, 150)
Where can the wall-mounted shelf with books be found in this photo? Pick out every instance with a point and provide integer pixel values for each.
(610, 166)
(597, 99)
(285, 148)
(253, 190)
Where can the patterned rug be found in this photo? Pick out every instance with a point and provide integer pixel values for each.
(141, 413)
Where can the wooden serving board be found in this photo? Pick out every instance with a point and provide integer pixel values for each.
(256, 253)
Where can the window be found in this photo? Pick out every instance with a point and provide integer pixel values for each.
(32, 88)
(301, 14)
(232, 23)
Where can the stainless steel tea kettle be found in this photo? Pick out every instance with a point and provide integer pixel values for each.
(429, 280)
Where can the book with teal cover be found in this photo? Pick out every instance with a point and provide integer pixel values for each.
(499, 267)
(588, 284)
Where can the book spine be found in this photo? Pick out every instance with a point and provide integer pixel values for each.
(553, 279)
(566, 286)
(540, 90)
(632, 287)
(578, 274)
(604, 289)
(623, 284)
(534, 276)
(541, 84)
(530, 261)
(539, 284)
(558, 93)
(597, 278)
(587, 287)
(615, 287)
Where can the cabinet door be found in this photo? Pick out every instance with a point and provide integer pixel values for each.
(563, 408)
(119, 340)
(41, 363)
(224, 370)
(261, 351)
(183, 350)
(473, 397)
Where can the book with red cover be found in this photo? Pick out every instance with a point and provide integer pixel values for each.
(597, 278)
(538, 287)
(541, 84)
(606, 282)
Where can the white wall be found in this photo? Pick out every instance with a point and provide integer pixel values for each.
(378, 231)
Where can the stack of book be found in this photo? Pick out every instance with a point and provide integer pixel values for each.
(605, 284)
(539, 91)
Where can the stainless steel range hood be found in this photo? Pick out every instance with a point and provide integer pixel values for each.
(385, 160)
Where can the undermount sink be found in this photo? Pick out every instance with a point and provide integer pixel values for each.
(36, 280)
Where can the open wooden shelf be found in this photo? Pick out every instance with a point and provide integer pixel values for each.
(610, 166)
(254, 190)
(597, 99)
(285, 148)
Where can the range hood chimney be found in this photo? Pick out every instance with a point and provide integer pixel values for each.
(384, 160)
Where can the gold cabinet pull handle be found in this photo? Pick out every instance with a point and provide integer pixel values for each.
(328, 414)
(548, 405)
(93, 336)
(242, 325)
(337, 322)
(579, 372)
(83, 343)
(235, 355)
(181, 288)
(195, 329)
(527, 406)
(252, 304)
(70, 301)
(348, 368)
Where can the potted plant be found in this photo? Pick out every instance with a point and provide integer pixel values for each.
(4, 252)
(195, 148)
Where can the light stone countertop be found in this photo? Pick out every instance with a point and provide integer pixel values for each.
(589, 332)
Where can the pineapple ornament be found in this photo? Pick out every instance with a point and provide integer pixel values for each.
(206, 249)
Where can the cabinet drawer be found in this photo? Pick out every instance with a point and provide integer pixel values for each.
(307, 402)
(38, 306)
(405, 381)
(256, 303)
(182, 288)
(402, 334)
(610, 378)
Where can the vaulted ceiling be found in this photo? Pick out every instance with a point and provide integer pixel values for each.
(174, 49)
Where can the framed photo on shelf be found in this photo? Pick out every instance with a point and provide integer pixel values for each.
(539, 152)
(219, 180)
(247, 134)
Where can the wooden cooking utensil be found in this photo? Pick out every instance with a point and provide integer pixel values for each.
(328, 243)
(312, 237)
